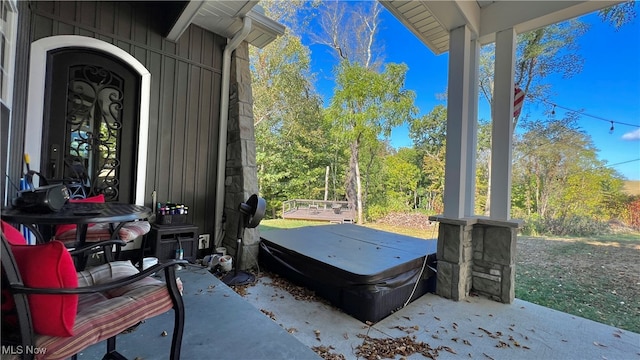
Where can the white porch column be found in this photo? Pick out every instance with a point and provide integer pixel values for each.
(455, 174)
(472, 123)
(502, 127)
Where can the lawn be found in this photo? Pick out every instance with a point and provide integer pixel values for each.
(596, 278)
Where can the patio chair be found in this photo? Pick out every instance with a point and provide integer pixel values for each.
(127, 232)
(76, 177)
(50, 311)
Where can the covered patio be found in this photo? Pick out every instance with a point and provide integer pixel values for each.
(476, 255)
(268, 322)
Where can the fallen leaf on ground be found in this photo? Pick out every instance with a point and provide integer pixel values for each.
(326, 354)
(269, 314)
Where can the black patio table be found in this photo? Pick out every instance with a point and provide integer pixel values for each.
(80, 214)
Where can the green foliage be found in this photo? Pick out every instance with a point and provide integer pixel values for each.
(619, 14)
(429, 138)
(376, 211)
(289, 127)
(365, 106)
(429, 132)
(557, 174)
(402, 177)
(556, 171)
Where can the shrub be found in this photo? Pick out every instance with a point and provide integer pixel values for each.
(632, 213)
(567, 226)
(375, 212)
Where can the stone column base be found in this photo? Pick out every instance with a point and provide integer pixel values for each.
(476, 254)
(454, 257)
(494, 258)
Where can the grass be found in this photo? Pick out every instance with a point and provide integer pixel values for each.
(597, 278)
(278, 224)
(422, 234)
(588, 299)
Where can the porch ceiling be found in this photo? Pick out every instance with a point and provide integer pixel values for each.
(431, 21)
(225, 18)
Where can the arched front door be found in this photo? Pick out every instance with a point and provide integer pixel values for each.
(91, 118)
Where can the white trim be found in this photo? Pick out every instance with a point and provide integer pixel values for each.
(456, 157)
(35, 105)
(502, 125)
(185, 19)
(12, 31)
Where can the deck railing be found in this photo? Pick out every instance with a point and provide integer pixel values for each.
(316, 205)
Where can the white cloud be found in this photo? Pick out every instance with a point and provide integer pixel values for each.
(634, 135)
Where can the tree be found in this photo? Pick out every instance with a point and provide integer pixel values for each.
(402, 178)
(542, 52)
(366, 105)
(429, 139)
(620, 14)
(559, 174)
(350, 30)
(367, 101)
(289, 128)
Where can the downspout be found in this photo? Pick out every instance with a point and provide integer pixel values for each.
(224, 119)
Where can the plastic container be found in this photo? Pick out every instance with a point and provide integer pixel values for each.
(226, 263)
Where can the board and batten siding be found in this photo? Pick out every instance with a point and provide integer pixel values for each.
(185, 92)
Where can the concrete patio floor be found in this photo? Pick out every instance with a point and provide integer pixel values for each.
(269, 323)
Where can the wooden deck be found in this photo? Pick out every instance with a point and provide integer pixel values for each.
(319, 210)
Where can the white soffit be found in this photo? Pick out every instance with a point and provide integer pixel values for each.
(225, 18)
(431, 21)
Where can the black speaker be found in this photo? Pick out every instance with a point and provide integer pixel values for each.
(42, 199)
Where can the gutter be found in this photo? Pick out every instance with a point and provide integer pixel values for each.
(224, 120)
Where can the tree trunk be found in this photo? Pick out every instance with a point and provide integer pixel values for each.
(326, 184)
(355, 168)
(487, 204)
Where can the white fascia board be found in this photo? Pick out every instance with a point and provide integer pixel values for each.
(185, 19)
(271, 28)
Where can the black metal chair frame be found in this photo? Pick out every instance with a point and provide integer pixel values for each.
(20, 292)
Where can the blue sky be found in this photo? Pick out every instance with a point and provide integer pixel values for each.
(608, 86)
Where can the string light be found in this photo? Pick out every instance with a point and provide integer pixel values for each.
(553, 111)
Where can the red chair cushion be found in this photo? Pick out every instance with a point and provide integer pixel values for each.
(49, 265)
(60, 229)
(8, 306)
(13, 235)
